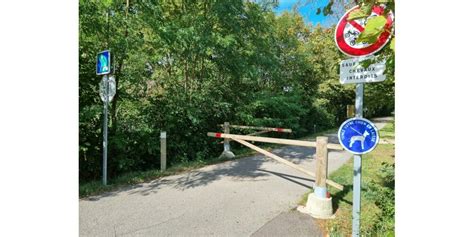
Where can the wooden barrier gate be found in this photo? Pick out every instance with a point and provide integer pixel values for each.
(263, 130)
(320, 144)
(227, 153)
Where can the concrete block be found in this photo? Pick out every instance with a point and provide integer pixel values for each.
(318, 207)
(227, 155)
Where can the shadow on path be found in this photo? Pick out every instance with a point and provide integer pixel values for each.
(246, 169)
(295, 154)
(288, 177)
(238, 170)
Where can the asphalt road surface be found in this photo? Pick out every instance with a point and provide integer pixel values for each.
(234, 198)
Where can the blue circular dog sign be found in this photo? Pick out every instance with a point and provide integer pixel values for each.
(358, 135)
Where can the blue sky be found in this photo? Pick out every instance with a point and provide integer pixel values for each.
(308, 11)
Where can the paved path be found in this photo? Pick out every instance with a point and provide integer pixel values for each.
(234, 198)
(291, 223)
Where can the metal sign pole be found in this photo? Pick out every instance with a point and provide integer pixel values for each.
(104, 144)
(357, 167)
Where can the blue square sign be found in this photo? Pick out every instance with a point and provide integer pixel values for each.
(103, 63)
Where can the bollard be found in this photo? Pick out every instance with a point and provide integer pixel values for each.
(227, 153)
(320, 188)
(350, 111)
(163, 151)
(226, 140)
(319, 203)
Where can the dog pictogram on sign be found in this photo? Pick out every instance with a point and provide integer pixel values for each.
(347, 33)
(358, 135)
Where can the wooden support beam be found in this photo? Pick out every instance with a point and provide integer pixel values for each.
(334, 184)
(288, 163)
(251, 134)
(333, 146)
(261, 128)
(272, 140)
(263, 139)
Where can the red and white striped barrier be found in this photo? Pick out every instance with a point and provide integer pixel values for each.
(287, 130)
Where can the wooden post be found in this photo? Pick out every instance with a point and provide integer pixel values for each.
(320, 188)
(226, 140)
(350, 111)
(227, 153)
(163, 151)
(319, 203)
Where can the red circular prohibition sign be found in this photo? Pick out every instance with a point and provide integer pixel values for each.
(340, 35)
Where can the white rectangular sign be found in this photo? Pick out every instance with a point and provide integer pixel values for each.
(351, 71)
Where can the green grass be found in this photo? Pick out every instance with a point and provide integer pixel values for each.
(96, 187)
(370, 212)
(388, 132)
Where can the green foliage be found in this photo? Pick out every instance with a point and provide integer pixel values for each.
(327, 10)
(357, 14)
(374, 27)
(382, 192)
(379, 98)
(362, 12)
